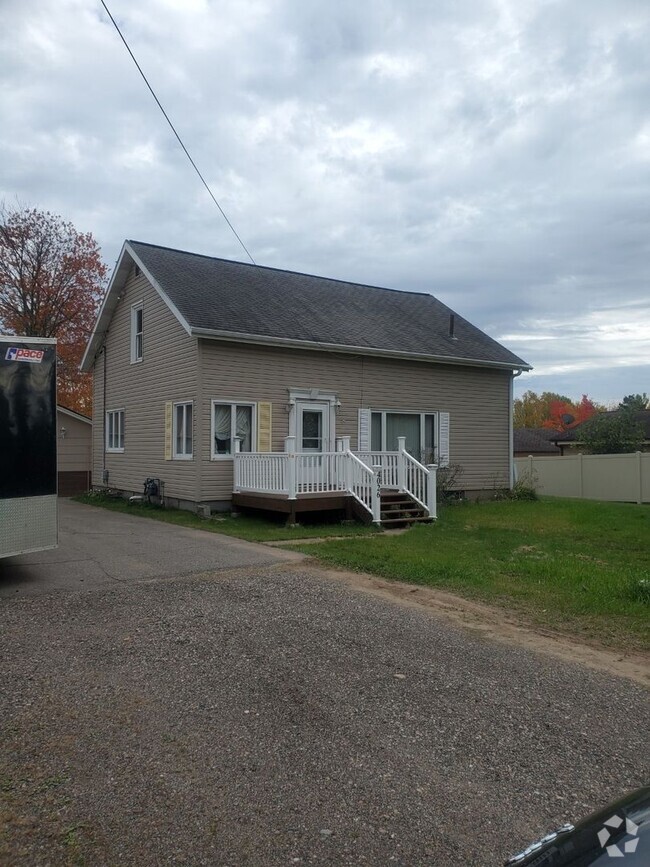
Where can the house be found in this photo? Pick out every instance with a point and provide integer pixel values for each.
(569, 441)
(534, 441)
(235, 383)
(74, 440)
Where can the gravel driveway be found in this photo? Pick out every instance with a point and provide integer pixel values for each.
(270, 716)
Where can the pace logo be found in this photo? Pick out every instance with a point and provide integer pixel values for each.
(15, 353)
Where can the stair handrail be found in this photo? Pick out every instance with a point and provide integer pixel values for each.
(420, 483)
(362, 483)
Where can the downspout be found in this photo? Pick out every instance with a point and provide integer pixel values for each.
(104, 416)
(511, 436)
(197, 427)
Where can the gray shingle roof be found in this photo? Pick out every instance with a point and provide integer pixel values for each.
(227, 296)
(534, 440)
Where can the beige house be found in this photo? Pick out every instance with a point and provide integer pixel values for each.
(74, 443)
(229, 382)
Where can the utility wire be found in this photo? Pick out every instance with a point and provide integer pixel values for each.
(173, 128)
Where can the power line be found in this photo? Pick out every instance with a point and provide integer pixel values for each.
(173, 128)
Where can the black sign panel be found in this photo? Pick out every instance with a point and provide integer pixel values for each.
(27, 419)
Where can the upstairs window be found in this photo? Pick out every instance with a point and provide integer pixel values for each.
(137, 323)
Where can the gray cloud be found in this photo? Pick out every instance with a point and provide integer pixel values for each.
(494, 153)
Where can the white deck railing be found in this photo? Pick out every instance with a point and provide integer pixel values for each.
(388, 463)
(361, 475)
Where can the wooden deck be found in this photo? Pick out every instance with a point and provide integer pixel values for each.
(318, 502)
(397, 509)
(292, 482)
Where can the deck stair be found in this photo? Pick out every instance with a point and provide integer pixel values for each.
(399, 509)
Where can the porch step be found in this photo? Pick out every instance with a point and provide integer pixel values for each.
(400, 509)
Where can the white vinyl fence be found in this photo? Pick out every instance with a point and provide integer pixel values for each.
(621, 478)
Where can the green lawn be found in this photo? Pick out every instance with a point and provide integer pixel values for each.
(572, 565)
(244, 527)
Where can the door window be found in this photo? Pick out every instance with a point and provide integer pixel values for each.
(312, 430)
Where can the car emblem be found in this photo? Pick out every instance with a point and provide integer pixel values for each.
(605, 833)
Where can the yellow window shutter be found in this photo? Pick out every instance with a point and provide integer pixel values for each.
(264, 427)
(168, 430)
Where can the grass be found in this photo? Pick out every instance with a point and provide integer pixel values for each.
(254, 529)
(572, 565)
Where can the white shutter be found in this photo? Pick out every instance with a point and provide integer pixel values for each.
(443, 439)
(364, 430)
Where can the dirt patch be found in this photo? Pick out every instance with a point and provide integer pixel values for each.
(495, 623)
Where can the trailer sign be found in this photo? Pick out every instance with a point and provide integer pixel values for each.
(15, 353)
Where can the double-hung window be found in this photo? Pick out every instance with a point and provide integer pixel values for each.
(137, 332)
(231, 420)
(182, 433)
(115, 430)
(419, 428)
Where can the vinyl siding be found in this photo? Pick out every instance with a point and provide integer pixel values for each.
(73, 449)
(475, 398)
(168, 372)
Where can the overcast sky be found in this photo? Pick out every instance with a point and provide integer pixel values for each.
(495, 153)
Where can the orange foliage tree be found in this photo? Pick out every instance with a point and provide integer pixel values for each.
(52, 279)
(564, 415)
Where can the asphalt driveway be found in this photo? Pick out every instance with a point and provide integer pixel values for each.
(98, 547)
(262, 714)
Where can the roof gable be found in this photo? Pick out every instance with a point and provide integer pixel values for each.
(76, 415)
(225, 299)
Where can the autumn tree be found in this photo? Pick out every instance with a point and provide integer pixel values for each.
(51, 281)
(565, 415)
(532, 410)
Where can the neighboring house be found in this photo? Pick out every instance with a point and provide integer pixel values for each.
(195, 357)
(534, 441)
(569, 441)
(74, 443)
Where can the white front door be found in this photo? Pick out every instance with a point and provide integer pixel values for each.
(313, 431)
(313, 427)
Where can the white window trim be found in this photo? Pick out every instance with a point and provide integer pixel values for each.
(422, 414)
(304, 396)
(114, 451)
(139, 305)
(231, 403)
(175, 455)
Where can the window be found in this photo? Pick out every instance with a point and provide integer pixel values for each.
(419, 428)
(115, 430)
(136, 333)
(230, 420)
(182, 432)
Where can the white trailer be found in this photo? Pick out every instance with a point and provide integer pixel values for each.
(28, 471)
